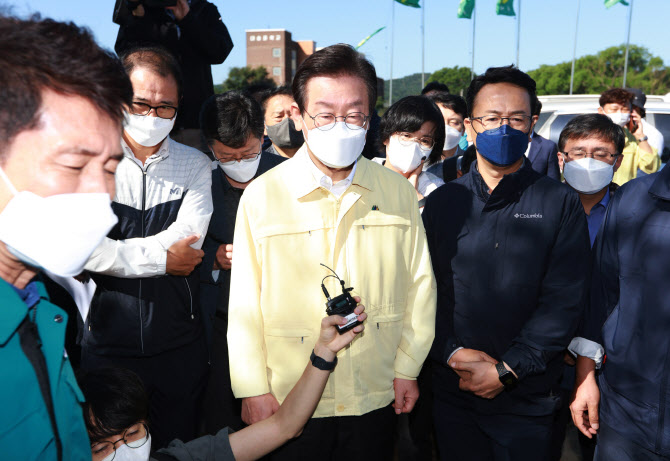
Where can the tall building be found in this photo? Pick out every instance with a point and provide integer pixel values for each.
(275, 50)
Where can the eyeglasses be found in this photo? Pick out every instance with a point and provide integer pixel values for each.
(602, 155)
(353, 120)
(426, 143)
(491, 122)
(135, 436)
(140, 108)
(231, 161)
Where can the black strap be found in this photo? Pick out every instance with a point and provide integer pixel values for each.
(422, 202)
(31, 344)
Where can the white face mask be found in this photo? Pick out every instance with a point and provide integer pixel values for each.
(242, 171)
(56, 233)
(405, 158)
(619, 118)
(146, 130)
(338, 147)
(453, 136)
(126, 453)
(587, 175)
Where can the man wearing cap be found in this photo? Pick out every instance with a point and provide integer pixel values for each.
(638, 115)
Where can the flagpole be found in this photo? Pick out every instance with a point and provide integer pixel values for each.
(625, 59)
(518, 34)
(574, 47)
(474, 17)
(392, 34)
(423, 42)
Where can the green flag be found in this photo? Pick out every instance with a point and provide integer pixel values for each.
(412, 3)
(505, 8)
(362, 42)
(611, 3)
(465, 9)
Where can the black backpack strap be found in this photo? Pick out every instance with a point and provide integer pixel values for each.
(31, 345)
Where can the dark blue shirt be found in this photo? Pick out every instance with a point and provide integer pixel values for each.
(595, 218)
(29, 294)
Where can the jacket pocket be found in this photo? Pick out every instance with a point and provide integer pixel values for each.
(383, 333)
(288, 351)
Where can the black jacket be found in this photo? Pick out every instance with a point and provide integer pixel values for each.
(226, 200)
(543, 156)
(199, 40)
(629, 311)
(511, 271)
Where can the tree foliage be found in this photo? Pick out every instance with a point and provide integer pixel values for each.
(240, 78)
(604, 70)
(404, 86)
(456, 78)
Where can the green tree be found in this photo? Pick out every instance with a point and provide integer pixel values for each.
(456, 78)
(604, 70)
(240, 78)
(404, 86)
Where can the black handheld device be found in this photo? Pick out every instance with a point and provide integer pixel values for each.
(343, 304)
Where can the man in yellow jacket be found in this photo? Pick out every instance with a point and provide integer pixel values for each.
(638, 155)
(328, 206)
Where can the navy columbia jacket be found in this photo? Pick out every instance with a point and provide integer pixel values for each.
(511, 270)
(629, 311)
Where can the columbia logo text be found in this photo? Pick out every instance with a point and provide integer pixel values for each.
(528, 216)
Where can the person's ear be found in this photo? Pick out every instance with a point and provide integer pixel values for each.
(296, 116)
(533, 122)
(601, 111)
(265, 129)
(560, 161)
(469, 131)
(617, 162)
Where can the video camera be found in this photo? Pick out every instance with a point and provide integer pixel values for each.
(123, 8)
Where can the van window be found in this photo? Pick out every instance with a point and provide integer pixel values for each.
(662, 124)
(558, 124)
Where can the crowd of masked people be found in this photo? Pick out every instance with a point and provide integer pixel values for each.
(168, 302)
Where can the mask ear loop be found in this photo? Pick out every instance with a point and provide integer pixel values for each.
(7, 181)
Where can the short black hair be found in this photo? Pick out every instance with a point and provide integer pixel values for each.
(230, 118)
(469, 157)
(407, 115)
(593, 126)
(155, 58)
(334, 60)
(283, 90)
(257, 90)
(450, 101)
(39, 55)
(435, 87)
(537, 108)
(507, 74)
(115, 400)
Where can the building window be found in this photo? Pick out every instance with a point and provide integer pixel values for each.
(252, 38)
(265, 38)
(276, 52)
(278, 37)
(258, 38)
(272, 37)
(276, 71)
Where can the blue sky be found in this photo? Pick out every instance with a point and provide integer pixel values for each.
(547, 29)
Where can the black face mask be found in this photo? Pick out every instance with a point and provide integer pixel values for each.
(284, 134)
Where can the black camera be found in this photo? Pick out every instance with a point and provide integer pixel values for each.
(342, 305)
(158, 3)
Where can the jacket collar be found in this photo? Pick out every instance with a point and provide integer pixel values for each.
(163, 151)
(301, 181)
(661, 186)
(509, 189)
(14, 309)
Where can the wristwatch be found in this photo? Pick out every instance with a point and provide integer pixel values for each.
(643, 138)
(321, 364)
(506, 377)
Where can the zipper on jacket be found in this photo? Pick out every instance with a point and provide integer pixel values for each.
(190, 297)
